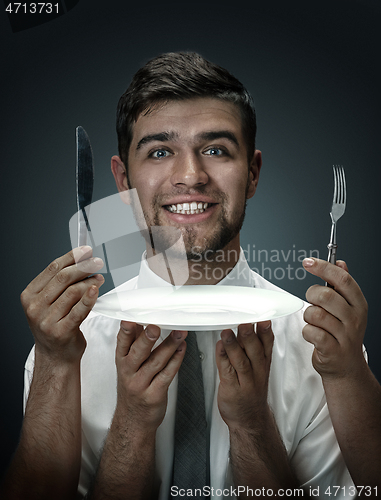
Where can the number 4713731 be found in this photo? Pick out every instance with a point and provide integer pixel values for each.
(365, 491)
(32, 8)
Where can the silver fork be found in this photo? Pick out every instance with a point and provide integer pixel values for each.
(338, 209)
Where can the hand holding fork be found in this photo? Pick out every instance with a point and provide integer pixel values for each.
(335, 325)
(336, 319)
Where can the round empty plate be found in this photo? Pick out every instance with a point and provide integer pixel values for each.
(197, 307)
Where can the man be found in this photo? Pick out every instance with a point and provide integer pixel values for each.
(186, 132)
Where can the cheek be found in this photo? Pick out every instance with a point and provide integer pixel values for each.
(147, 184)
(235, 189)
(235, 177)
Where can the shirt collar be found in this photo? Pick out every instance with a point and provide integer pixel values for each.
(240, 275)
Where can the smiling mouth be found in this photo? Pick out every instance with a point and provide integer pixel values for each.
(188, 208)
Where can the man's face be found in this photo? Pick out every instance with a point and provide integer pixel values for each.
(188, 163)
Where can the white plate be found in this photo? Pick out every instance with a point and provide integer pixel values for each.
(197, 307)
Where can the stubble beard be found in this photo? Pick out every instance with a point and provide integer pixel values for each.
(225, 231)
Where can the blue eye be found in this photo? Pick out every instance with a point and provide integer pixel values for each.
(160, 153)
(214, 152)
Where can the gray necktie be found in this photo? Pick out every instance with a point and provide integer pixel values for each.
(191, 441)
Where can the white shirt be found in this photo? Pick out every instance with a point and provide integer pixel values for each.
(296, 397)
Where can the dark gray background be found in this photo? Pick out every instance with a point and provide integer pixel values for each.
(314, 71)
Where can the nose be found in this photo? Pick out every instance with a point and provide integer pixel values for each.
(189, 171)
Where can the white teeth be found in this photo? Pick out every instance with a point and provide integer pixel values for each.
(188, 208)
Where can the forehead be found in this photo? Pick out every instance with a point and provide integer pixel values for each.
(188, 118)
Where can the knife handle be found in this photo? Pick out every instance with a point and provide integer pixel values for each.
(82, 231)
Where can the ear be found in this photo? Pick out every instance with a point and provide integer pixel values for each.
(119, 172)
(255, 168)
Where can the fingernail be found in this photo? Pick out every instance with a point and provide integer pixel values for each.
(98, 262)
(124, 326)
(178, 334)
(267, 327)
(308, 262)
(81, 253)
(229, 337)
(151, 335)
(246, 330)
(85, 249)
(99, 277)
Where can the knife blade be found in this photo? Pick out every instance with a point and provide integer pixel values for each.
(85, 182)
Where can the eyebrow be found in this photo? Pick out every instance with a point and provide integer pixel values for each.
(204, 136)
(218, 134)
(161, 137)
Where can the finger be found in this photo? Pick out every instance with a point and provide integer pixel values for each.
(55, 267)
(266, 335)
(226, 371)
(73, 294)
(141, 348)
(342, 265)
(68, 276)
(251, 343)
(163, 378)
(257, 346)
(126, 336)
(81, 309)
(324, 342)
(161, 355)
(329, 300)
(236, 354)
(342, 281)
(81, 255)
(319, 317)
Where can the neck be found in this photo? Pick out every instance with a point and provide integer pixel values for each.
(205, 269)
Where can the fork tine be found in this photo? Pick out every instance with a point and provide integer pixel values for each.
(340, 184)
(335, 184)
(343, 187)
(340, 181)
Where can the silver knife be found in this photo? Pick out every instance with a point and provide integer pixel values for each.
(85, 182)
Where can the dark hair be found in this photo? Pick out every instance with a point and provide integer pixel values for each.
(178, 76)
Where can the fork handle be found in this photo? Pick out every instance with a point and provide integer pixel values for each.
(332, 247)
